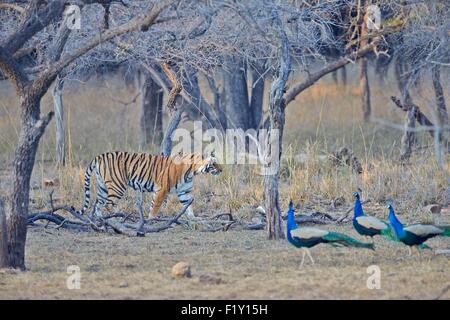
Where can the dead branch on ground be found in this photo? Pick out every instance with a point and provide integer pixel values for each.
(132, 225)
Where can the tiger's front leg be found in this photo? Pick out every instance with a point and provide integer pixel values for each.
(184, 197)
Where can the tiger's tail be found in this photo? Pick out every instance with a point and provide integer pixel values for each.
(87, 186)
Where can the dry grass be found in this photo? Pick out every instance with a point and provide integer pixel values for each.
(101, 120)
(249, 266)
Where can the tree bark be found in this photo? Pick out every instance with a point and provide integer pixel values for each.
(151, 112)
(166, 145)
(236, 95)
(275, 138)
(334, 76)
(257, 98)
(175, 113)
(59, 118)
(363, 75)
(3, 236)
(442, 115)
(409, 136)
(33, 128)
(365, 90)
(402, 82)
(344, 76)
(197, 106)
(219, 100)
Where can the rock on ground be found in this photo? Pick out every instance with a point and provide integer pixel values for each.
(181, 270)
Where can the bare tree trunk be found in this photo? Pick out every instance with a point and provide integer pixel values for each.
(33, 128)
(344, 76)
(409, 136)
(272, 170)
(365, 90)
(236, 95)
(166, 145)
(442, 115)
(151, 112)
(275, 136)
(59, 118)
(175, 113)
(3, 236)
(402, 82)
(257, 98)
(363, 75)
(334, 76)
(198, 107)
(219, 101)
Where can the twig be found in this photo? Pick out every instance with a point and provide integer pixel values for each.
(345, 215)
(170, 222)
(229, 215)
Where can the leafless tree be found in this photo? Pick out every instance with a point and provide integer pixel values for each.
(423, 47)
(36, 16)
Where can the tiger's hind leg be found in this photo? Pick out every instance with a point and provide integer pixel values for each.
(108, 194)
(101, 199)
(157, 202)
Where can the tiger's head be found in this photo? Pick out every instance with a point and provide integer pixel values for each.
(201, 164)
(210, 164)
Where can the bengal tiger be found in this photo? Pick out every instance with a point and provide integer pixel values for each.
(115, 171)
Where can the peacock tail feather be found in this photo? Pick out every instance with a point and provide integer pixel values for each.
(347, 241)
(389, 233)
(446, 232)
(423, 246)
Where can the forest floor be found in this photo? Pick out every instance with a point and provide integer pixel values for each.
(225, 265)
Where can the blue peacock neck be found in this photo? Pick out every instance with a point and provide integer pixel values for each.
(290, 220)
(396, 224)
(358, 210)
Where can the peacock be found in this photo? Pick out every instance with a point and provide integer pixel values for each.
(415, 234)
(307, 237)
(369, 226)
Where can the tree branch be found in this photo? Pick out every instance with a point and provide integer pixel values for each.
(35, 20)
(13, 71)
(12, 6)
(296, 89)
(45, 78)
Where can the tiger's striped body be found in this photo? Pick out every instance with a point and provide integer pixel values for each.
(116, 171)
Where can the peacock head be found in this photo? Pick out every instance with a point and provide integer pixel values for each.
(356, 195)
(291, 205)
(392, 218)
(290, 215)
(391, 210)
